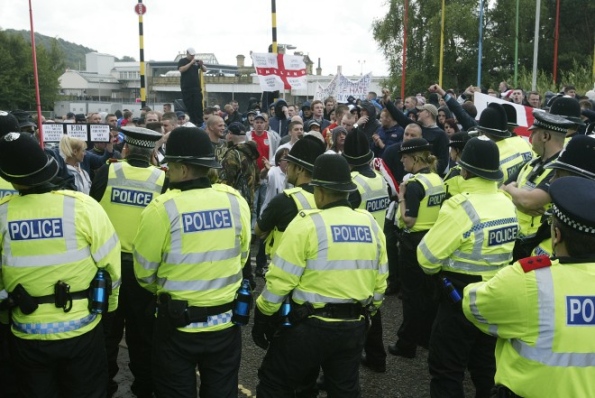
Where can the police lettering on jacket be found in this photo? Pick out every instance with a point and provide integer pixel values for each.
(131, 197)
(36, 229)
(351, 233)
(7, 192)
(206, 220)
(580, 310)
(379, 204)
(502, 235)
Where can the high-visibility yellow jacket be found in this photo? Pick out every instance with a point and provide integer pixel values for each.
(511, 157)
(129, 190)
(474, 233)
(336, 255)
(544, 320)
(374, 194)
(6, 188)
(303, 200)
(56, 236)
(192, 244)
(435, 192)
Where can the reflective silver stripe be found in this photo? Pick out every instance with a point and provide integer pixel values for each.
(106, 248)
(237, 217)
(375, 226)
(300, 295)
(378, 297)
(321, 235)
(212, 284)
(213, 320)
(271, 297)
(69, 222)
(48, 259)
(6, 252)
(502, 258)
(543, 350)
(431, 188)
(492, 329)
(361, 181)
(368, 192)
(340, 265)
(121, 181)
(54, 327)
(288, 267)
(475, 220)
(201, 257)
(146, 264)
(425, 250)
(175, 226)
(301, 198)
(149, 280)
(117, 284)
(383, 268)
(3, 294)
(454, 265)
(511, 157)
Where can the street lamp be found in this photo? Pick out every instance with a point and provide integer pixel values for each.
(361, 66)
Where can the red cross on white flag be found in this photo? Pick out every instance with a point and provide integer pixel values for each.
(280, 71)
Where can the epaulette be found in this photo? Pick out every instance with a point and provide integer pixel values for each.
(458, 199)
(536, 262)
(113, 160)
(304, 213)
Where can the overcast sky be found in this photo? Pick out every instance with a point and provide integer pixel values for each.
(337, 31)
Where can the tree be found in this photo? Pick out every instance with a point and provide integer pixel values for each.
(461, 40)
(17, 82)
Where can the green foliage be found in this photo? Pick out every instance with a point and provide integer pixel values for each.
(74, 54)
(579, 76)
(17, 81)
(575, 47)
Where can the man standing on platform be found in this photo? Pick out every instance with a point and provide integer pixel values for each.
(191, 86)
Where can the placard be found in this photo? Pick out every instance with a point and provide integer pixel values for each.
(99, 132)
(52, 132)
(77, 131)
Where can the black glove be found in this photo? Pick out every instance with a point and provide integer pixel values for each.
(264, 328)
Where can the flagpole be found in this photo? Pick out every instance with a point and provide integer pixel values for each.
(442, 43)
(516, 45)
(556, 38)
(36, 76)
(274, 18)
(404, 66)
(536, 45)
(480, 44)
(141, 40)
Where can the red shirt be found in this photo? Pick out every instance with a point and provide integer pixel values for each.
(262, 144)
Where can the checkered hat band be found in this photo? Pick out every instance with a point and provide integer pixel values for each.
(566, 220)
(140, 143)
(549, 126)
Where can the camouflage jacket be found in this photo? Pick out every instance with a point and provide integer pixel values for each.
(239, 169)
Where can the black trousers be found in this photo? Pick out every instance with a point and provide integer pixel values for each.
(67, 368)
(420, 296)
(193, 103)
(374, 346)
(392, 251)
(297, 353)
(177, 354)
(8, 388)
(136, 313)
(457, 345)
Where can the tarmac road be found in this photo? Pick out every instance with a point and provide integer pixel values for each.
(404, 378)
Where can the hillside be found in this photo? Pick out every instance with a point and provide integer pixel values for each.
(74, 54)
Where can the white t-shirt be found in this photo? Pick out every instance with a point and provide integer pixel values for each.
(277, 183)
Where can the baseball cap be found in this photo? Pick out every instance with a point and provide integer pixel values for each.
(191, 51)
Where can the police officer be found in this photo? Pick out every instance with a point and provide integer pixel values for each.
(570, 109)
(472, 239)
(372, 190)
(190, 247)
(529, 188)
(453, 179)
(124, 188)
(545, 346)
(372, 195)
(55, 244)
(285, 206)
(420, 198)
(493, 123)
(327, 322)
(576, 159)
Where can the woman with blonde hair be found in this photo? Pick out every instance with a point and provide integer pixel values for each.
(420, 197)
(73, 151)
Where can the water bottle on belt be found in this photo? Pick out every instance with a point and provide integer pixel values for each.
(243, 303)
(452, 292)
(285, 310)
(99, 292)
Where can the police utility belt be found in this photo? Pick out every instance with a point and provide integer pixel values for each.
(62, 297)
(180, 314)
(351, 311)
